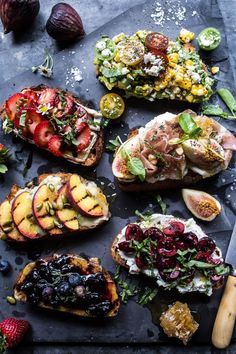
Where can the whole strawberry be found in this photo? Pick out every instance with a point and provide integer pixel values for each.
(12, 332)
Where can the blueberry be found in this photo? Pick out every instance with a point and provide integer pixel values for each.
(96, 282)
(5, 267)
(93, 298)
(75, 279)
(47, 293)
(67, 268)
(64, 288)
(27, 286)
(100, 309)
(35, 275)
(60, 261)
(33, 298)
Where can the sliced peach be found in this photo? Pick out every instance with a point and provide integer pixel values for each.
(66, 215)
(23, 217)
(44, 209)
(6, 222)
(80, 196)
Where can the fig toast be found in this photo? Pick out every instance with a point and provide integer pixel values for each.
(69, 283)
(175, 252)
(173, 151)
(55, 120)
(43, 209)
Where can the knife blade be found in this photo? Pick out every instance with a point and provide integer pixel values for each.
(226, 314)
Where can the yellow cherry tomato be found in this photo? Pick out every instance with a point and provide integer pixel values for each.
(112, 106)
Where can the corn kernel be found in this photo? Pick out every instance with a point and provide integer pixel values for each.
(185, 84)
(189, 62)
(215, 70)
(199, 90)
(186, 36)
(119, 37)
(174, 57)
(189, 98)
(117, 57)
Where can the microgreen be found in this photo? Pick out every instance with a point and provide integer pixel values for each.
(113, 144)
(161, 203)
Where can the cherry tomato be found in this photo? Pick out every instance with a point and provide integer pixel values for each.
(164, 63)
(156, 41)
(112, 106)
(132, 53)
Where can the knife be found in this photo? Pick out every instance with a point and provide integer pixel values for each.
(225, 318)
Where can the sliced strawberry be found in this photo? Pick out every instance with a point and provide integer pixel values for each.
(54, 145)
(47, 96)
(81, 112)
(23, 130)
(84, 139)
(43, 133)
(32, 96)
(80, 125)
(33, 118)
(14, 103)
(63, 107)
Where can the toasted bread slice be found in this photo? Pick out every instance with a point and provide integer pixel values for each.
(65, 107)
(33, 212)
(89, 278)
(162, 244)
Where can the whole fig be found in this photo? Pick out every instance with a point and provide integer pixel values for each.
(64, 23)
(17, 14)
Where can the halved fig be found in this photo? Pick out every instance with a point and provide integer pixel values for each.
(201, 204)
(86, 198)
(22, 215)
(66, 215)
(43, 208)
(6, 222)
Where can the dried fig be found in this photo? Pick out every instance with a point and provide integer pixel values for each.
(16, 15)
(201, 204)
(64, 23)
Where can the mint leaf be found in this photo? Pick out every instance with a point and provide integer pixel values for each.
(136, 167)
(189, 126)
(3, 168)
(114, 144)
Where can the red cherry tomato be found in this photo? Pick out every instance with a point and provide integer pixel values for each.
(156, 41)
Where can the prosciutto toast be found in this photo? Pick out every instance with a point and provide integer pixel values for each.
(173, 151)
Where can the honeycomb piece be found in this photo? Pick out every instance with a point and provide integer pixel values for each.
(178, 322)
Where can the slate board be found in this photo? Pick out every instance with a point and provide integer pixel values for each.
(134, 322)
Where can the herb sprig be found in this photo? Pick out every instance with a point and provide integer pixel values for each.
(215, 110)
(134, 165)
(113, 144)
(189, 127)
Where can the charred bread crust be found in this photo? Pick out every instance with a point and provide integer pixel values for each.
(97, 150)
(115, 255)
(166, 184)
(94, 267)
(65, 178)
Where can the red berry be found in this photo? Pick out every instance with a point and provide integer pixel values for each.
(43, 133)
(13, 105)
(33, 118)
(133, 232)
(12, 331)
(47, 96)
(125, 246)
(175, 228)
(83, 139)
(62, 109)
(54, 145)
(32, 97)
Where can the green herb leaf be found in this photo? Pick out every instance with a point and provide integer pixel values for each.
(136, 167)
(114, 144)
(188, 125)
(228, 99)
(22, 118)
(147, 296)
(222, 269)
(199, 264)
(161, 203)
(127, 292)
(142, 216)
(3, 168)
(214, 110)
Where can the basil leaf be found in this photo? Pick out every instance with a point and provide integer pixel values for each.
(189, 126)
(162, 204)
(147, 296)
(3, 168)
(22, 118)
(199, 264)
(222, 269)
(136, 167)
(114, 144)
(213, 110)
(228, 99)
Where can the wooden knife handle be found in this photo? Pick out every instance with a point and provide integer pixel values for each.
(225, 318)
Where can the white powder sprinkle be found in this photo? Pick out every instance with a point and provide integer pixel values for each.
(73, 75)
(174, 11)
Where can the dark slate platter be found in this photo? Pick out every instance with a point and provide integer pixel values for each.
(134, 322)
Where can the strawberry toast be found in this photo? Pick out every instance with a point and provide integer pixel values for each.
(57, 121)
